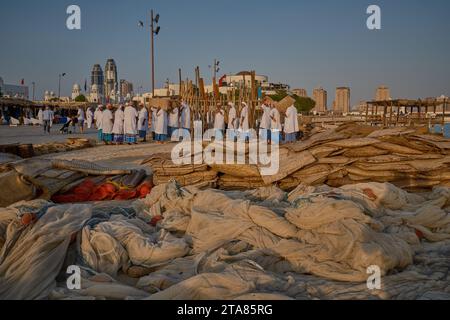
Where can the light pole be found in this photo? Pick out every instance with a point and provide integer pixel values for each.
(59, 85)
(216, 68)
(154, 31)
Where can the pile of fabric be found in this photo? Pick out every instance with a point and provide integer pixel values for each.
(164, 170)
(191, 243)
(351, 154)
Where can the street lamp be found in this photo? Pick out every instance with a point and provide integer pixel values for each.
(59, 85)
(216, 68)
(154, 31)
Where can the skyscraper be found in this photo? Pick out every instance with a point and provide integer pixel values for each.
(300, 92)
(125, 88)
(111, 81)
(383, 94)
(97, 79)
(342, 102)
(321, 99)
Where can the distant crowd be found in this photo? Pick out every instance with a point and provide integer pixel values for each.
(131, 123)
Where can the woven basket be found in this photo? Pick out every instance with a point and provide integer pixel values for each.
(188, 179)
(229, 182)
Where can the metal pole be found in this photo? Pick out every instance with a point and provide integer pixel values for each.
(153, 54)
(59, 88)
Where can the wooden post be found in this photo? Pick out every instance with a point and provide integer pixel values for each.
(444, 107)
(367, 112)
(390, 113)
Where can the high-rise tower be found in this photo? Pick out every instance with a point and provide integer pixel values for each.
(97, 78)
(111, 81)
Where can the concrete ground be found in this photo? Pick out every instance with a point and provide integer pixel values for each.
(36, 134)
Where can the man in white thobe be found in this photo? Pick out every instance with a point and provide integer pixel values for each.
(46, 118)
(143, 123)
(119, 117)
(291, 126)
(81, 118)
(264, 127)
(107, 125)
(39, 116)
(153, 111)
(275, 125)
(130, 124)
(219, 123)
(244, 127)
(185, 119)
(174, 122)
(98, 122)
(232, 122)
(89, 118)
(185, 116)
(161, 126)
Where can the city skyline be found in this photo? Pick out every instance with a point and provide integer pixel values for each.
(339, 51)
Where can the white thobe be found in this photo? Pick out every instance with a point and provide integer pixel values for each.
(143, 120)
(265, 120)
(154, 111)
(129, 124)
(173, 118)
(275, 123)
(107, 122)
(186, 117)
(161, 122)
(81, 115)
(98, 118)
(90, 118)
(119, 117)
(219, 120)
(244, 125)
(291, 122)
(40, 117)
(232, 119)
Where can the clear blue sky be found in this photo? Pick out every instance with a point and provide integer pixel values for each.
(303, 43)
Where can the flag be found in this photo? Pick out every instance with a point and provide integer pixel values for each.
(22, 82)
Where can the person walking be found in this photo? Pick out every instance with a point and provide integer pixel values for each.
(46, 117)
(81, 119)
(89, 118)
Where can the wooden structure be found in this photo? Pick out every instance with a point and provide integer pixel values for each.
(406, 112)
(203, 104)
